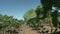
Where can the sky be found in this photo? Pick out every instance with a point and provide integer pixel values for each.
(17, 8)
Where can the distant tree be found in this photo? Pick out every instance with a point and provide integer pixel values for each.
(29, 14)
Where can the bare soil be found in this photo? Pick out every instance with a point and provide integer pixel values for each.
(25, 29)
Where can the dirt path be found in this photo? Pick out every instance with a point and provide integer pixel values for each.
(24, 29)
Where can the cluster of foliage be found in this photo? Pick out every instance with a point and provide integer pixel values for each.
(9, 23)
(47, 6)
(29, 14)
(35, 17)
(44, 13)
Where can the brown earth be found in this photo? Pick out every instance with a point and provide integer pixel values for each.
(25, 29)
